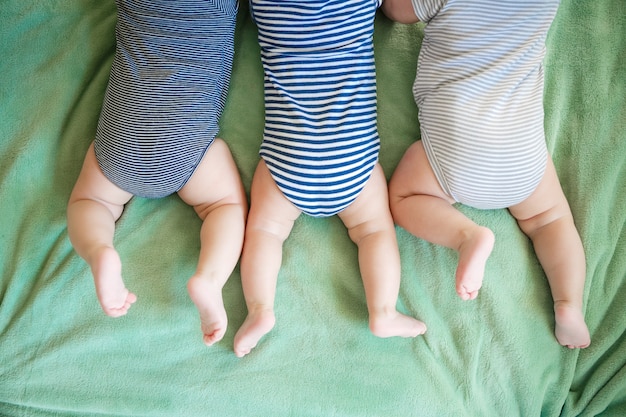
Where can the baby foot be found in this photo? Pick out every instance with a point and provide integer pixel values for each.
(570, 329)
(473, 255)
(395, 324)
(114, 297)
(256, 325)
(208, 300)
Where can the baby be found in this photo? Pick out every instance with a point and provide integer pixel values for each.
(319, 155)
(156, 136)
(479, 90)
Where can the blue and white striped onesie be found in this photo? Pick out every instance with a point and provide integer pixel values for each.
(166, 92)
(479, 90)
(320, 141)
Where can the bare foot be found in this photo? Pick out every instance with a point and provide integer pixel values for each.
(208, 300)
(395, 324)
(256, 325)
(473, 255)
(571, 329)
(114, 297)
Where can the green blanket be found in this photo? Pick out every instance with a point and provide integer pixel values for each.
(494, 356)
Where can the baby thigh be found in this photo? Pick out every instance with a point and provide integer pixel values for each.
(546, 204)
(215, 182)
(93, 186)
(369, 213)
(415, 176)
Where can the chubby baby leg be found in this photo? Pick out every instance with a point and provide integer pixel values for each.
(94, 206)
(371, 227)
(474, 251)
(271, 219)
(106, 268)
(546, 218)
(420, 206)
(217, 195)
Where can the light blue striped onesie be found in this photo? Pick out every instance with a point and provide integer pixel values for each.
(479, 90)
(320, 141)
(166, 92)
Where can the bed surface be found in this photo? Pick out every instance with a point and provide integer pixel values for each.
(494, 356)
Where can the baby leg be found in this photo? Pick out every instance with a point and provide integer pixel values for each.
(217, 195)
(420, 206)
(94, 206)
(371, 227)
(546, 218)
(271, 219)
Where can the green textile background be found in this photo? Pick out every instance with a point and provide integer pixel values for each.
(494, 356)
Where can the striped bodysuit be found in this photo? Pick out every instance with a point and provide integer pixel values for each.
(479, 90)
(166, 92)
(320, 141)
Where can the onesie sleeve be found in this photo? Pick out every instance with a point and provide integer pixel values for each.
(425, 10)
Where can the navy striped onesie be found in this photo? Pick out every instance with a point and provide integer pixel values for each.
(479, 90)
(166, 92)
(320, 141)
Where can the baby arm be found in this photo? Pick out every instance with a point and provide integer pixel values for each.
(400, 11)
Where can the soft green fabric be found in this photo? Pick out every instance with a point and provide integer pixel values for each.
(495, 356)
